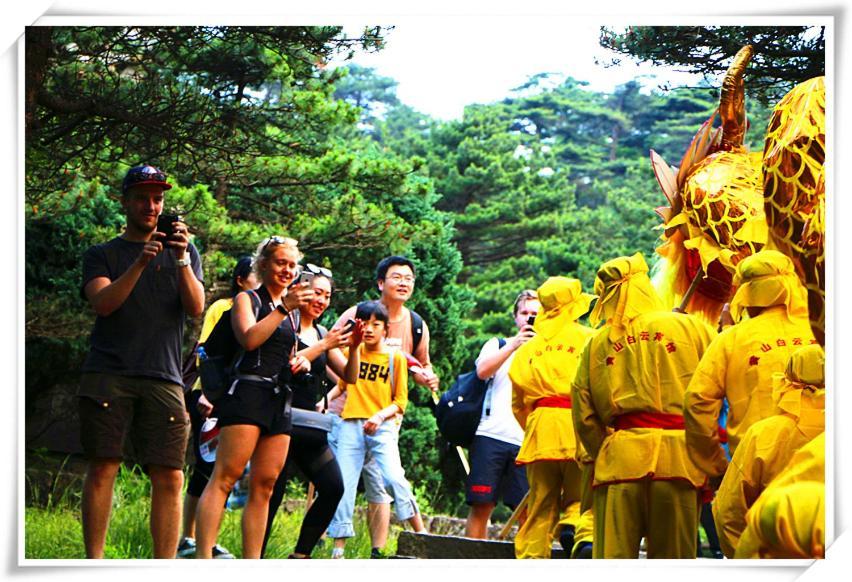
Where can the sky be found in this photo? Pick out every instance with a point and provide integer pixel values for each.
(443, 64)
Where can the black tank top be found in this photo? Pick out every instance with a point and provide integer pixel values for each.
(271, 357)
(307, 390)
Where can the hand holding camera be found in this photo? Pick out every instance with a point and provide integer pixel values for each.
(173, 232)
(526, 333)
(299, 292)
(354, 330)
(339, 337)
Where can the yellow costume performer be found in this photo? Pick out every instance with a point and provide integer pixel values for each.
(788, 519)
(632, 377)
(770, 443)
(541, 375)
(741, 361)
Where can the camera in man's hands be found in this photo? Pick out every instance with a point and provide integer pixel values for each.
(164, 224)
(531, 320)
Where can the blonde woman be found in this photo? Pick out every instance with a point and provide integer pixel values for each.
(254, 413)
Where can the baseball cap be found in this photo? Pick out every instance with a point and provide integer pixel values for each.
(144, 174)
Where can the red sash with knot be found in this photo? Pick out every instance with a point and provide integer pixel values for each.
(645, 419)
(553, 402)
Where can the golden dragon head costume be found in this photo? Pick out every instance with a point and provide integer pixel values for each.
(715, 216)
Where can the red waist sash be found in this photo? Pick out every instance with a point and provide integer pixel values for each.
(648, 420)
(553, 402)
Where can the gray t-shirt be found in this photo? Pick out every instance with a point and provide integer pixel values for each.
(143, 337)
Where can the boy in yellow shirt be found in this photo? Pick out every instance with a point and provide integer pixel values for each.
(380, 392)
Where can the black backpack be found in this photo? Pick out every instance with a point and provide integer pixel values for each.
(221, 352)
(459, 409)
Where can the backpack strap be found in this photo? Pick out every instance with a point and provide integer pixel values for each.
(321, 333)
(392, 377)
(488, 391)
(255, 308)
(416, 330)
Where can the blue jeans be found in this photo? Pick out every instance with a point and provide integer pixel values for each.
(375, 488)
(353, 447)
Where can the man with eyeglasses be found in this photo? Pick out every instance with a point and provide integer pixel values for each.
(141, 284)
(498, 439)
(395, 276)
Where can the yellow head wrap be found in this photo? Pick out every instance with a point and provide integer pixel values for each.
(624, 292)
(562, 302)
(800, 390)
(765, 279)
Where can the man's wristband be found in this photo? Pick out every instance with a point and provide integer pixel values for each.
(281, 309)
(184, 262)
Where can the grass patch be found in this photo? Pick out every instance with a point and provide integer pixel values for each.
(55, 531)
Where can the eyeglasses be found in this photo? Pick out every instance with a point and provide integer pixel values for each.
(311, 268)
(397, 278)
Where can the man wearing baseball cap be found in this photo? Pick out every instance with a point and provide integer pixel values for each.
(141, 284)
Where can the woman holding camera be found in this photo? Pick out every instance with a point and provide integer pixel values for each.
(309, 451)
(254, 415)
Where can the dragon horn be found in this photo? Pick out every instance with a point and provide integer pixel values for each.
(732, 102)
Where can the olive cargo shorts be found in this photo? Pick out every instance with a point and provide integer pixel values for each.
(150, 409)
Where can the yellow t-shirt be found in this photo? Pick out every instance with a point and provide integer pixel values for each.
(211, 318)
(646, 370)
(373, 391)
(738, 365)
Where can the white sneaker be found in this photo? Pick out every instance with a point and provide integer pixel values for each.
(337, 554)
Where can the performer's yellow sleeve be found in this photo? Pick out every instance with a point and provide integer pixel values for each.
(520, 411)
(590, 429)
(739, 490)
(702, 403)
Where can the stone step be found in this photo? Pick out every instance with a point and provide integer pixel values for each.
(434, 546)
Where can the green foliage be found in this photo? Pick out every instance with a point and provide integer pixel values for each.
(783, 55)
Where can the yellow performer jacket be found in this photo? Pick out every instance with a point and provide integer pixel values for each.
(543, 369)
(788, 519)
(769, 444)
(647, 370)
(739, 366)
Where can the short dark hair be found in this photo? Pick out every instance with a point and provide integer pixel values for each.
(377, 309)
(241, 271)
(388, 262)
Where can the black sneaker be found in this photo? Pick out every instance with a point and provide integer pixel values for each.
(186, 548)
(220, 553)
(376, 554)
